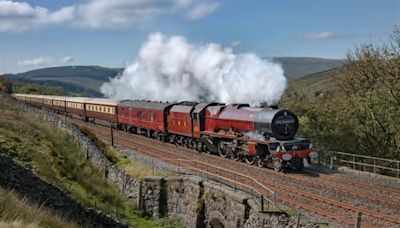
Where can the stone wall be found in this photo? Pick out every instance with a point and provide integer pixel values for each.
(201, 203)
(14, 176)
(125, 183)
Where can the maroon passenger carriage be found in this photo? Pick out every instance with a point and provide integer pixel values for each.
(143, 117)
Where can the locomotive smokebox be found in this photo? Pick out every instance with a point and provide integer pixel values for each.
(281, 124)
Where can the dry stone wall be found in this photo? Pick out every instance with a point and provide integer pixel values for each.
(201, 203)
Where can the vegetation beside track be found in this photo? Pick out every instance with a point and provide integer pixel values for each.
(57, 157)
(353, 109)
(130, 166)
(16, 211)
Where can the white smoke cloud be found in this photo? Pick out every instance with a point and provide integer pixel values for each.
(171, 69)
(254, 135)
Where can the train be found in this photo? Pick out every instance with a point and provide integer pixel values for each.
(259, 136)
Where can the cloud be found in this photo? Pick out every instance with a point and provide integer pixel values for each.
(202, 9)
(40, 61)
(235, 44)
(45, 61)
(318, 35)
(67, 59)
(21, 16)
(128, 13)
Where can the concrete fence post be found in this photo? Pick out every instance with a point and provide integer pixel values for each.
(332, 162)
(274, 199)
(374, 165)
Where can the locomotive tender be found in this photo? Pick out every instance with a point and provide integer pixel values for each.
(261, 136)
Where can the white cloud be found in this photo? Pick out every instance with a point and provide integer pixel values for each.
(45, 61)
(235, 44)
(318, 35)
(67, 59)
(21, 16)
(202, 9)
(128, 13)
(35, 62)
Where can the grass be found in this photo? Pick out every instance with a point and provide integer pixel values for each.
(20, 212)
(130, 166)
(57, 157)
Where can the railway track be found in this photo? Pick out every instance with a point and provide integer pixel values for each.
(333, 209)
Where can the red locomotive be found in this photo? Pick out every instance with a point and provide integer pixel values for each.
(265, 137)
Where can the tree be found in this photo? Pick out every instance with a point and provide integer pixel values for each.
(5, 85)
(371, 81)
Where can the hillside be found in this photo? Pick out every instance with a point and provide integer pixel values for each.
(313, 85)
(297, 67)
(75, 79)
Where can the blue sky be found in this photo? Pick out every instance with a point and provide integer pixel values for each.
(41, 33)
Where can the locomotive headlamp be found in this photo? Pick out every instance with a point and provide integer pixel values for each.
(278, 148)
(313, 155)
(311, 146)
(286, 157)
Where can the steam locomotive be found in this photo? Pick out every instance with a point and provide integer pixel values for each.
(260, 136)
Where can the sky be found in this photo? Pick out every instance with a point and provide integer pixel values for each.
(42, 33)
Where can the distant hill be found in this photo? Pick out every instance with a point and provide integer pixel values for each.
(76, 79)
(297, 67)
(88, 79)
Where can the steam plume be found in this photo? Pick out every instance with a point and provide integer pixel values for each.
(171, 69)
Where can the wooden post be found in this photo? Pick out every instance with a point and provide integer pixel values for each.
(332, 162)
(298, 220)
(357, 222)
(262, 202)
(112, 135)
(354, 162)
(139, 198)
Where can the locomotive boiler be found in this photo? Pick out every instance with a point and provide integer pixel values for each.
(279, 124)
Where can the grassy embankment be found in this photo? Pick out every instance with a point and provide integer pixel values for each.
(131, 167)
(56, 157)
(16, 211)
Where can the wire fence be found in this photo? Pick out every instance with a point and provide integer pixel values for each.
(376, 165)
